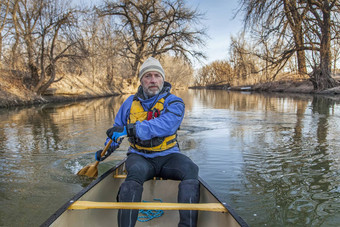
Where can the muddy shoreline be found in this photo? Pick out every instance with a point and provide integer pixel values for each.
(301, 87)
(283, 87)
(8, 103)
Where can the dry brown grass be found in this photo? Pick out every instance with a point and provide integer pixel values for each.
(290, 83)
(12, 90)
(262, 79)
(303, 86)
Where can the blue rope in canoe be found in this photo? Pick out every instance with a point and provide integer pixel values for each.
(147, 215)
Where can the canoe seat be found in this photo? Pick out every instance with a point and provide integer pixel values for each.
(119, 176)
(123, 176)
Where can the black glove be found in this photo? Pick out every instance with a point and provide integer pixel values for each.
(107, 154)
(117, 131)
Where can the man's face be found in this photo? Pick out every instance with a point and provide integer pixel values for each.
(152, 83)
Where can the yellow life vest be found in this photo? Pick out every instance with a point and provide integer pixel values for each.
(156, 144)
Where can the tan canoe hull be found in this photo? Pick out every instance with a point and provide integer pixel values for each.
(105, 189)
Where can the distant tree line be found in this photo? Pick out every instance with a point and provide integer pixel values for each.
(283, 37)
(43, 41)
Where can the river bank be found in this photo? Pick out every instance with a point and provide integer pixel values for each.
(14, 93)
(8, 99)
(284, 86)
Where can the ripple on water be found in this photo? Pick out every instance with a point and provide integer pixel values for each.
(74, 166)
(296, 180)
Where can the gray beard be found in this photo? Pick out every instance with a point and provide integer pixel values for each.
(147, 96)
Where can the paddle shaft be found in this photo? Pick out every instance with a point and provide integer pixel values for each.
(92, 170)
(104, 151)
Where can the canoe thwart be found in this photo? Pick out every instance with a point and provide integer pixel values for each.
(84, 205)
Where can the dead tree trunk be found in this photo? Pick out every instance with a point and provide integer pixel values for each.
(321, 75)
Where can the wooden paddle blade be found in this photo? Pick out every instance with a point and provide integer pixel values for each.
(92, 170)
(89, 170)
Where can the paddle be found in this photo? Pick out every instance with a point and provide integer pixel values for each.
(91, 170)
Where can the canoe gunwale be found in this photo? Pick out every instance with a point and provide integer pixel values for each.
(65, 207)
(224, 203)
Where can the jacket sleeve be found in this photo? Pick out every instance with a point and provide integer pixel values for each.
(166, 124)
(121, 117)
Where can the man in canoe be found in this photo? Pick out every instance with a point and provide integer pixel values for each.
(150, 120)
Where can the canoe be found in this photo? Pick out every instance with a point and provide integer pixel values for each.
(96, 204)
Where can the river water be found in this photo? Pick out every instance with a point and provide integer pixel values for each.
(275, 158)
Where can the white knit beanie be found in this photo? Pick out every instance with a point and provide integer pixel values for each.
(151, 64)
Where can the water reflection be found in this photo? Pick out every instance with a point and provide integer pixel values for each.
(35, 145)
(274, 158)
(291, 161)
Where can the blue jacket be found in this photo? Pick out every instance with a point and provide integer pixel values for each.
(165, 125)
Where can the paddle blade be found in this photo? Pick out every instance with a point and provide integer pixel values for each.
(89, 170)
(92, 170)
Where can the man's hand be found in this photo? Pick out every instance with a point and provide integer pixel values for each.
(116, 132)
(107, 154)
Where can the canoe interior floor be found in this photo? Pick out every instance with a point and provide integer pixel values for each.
(166, 190)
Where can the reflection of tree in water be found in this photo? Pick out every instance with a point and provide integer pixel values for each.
(293, 168)
(238, 101)
(32, 136)
(34, 147)
(321, 110)
(321, 107)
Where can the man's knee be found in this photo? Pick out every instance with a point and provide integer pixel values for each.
(139, 173)
(191, 171)
(188, 168)
(139, 177)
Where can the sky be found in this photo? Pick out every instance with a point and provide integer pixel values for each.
(221, 25)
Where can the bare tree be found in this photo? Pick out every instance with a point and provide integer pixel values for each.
(178, 72)
(4, 12)
(215, 73)
(26, 14)
(242, 57)
(58, 41)
(336, 55)
(101, 42)
(310, 26)
(320, 25)
(279, 19)
(155, 27)
(13, 58)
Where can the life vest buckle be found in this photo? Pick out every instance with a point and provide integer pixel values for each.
(153, 114)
